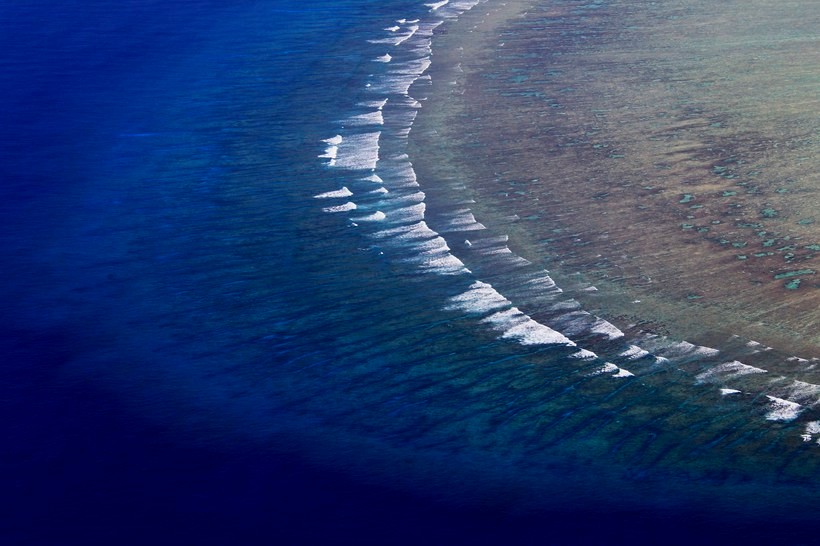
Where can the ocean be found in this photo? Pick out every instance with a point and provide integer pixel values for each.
(282, 272)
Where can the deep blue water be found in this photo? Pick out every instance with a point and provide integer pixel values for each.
(195, 353)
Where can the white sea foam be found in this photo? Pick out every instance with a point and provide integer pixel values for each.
(394, 28)
(482, 298)
(485, 242)
(344, 192)
(584, 354)
(479, 298)
(782, 410)
(377, 104)
(406, 36)
(414, 67)
(434, 245)
(398, 172)
(796, 359)
(359, 151)
(443, 263)
(375, 217)
(565, 305)
(581, 322)
(520, 327)
(812, 428)
(431, 251)
(606, 329)
(376, 179)
(676, 350)
(609, 367)
(332, 149)
(402, 121)
(400, 199)
(461, 220)
(399, 35)
(341, 208)
(612, 369)
(396, 83)
(330, 153)
(757, 345)
(802, 392)
(434, 6)
(726, 371)
(541, 282)
(380, 191)
(495, 251)
(370, 118)
(413, 213)
(633, 353)
(419, 230)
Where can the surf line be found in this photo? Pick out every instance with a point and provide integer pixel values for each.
(371, 147)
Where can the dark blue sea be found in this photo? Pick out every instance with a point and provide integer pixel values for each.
(232, 313)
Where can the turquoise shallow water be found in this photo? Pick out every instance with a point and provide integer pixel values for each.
(210, 343)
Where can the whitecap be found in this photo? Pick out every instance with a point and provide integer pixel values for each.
(370, 118)
(608, 367)
(782, 410)
(606, 329)
(542, 282)
(372, 178)
(360, 151)
(415, 67)
(480, 298)
(633, 352)
(461, 220)
(802, 392)
(419, 230)
(344, 192)
(677, 350)
(412, 213)
(444, 264)
(330, 153)
(341, 208)
(375, 217)
(726, 371)
(520, 327)
(584, 354)
(434, 6)
(377, 104)
(332, 149)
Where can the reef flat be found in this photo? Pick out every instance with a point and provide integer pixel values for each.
(666, 153)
